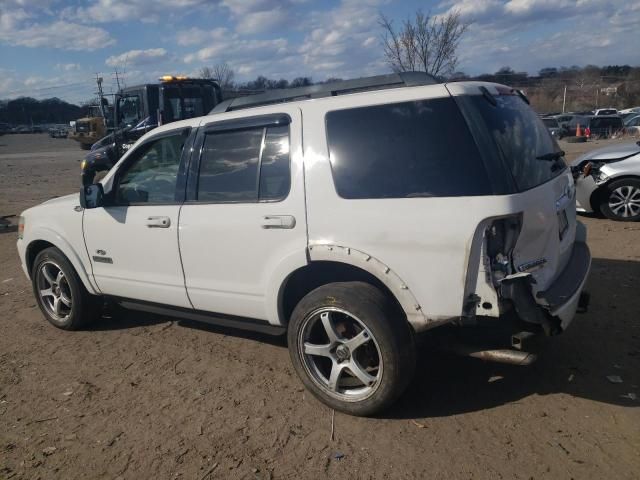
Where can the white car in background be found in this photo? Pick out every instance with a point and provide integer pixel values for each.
(608, 181)
(352, 216)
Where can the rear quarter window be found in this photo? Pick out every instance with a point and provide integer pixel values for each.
(403, 150)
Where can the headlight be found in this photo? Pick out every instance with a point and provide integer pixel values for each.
(83, 164)
(601, 177)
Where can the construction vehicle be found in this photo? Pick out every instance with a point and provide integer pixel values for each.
(88, 130)
(141, 108)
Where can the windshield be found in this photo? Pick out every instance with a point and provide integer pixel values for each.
(550, 122)
(520, 136)
(128, 110)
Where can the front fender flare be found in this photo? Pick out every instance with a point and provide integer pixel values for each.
(54, 238)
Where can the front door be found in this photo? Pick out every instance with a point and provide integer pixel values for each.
(133, 242)
(243, 226)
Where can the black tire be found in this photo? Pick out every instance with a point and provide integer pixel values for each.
(83, 307)
(85, 146)
(576, 139)
(388, 335)
(613, 193)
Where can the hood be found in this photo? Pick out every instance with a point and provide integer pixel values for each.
(71, 199)
(611, 152)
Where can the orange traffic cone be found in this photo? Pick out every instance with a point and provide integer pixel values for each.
(578, 131)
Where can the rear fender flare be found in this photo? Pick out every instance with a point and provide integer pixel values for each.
(382, 272)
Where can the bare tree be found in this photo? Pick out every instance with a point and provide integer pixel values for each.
(221, 72)
(424, 43)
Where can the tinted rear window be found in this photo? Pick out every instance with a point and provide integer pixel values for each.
(520, 136)
(412, 149)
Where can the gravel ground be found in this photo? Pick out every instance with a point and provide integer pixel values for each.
(142, 396)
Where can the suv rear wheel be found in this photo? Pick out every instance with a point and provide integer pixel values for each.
(59, 292)
(351, 347)
(621, 200)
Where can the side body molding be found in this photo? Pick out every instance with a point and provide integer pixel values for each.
(408, 302)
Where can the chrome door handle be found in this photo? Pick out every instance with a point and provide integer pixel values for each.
(279, 221)
(158, 222)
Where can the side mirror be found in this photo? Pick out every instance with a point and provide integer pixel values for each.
(92, 196)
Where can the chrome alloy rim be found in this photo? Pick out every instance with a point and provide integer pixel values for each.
(625, 201)
(54, 290)
(340, 354)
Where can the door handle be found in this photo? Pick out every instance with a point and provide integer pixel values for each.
(279, 221)
(158, 222)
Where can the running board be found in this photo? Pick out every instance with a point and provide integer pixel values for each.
(221, 320)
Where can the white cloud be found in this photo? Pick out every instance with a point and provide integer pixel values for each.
(198, 36)
(137, 57)
(107, 11)
(68, 67)
(58, 34)
(259, 16)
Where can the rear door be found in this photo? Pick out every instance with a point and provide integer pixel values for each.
(243, 226)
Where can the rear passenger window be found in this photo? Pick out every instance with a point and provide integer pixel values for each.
(402, 150)
(245, 166)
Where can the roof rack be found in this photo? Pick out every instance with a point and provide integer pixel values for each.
(343, 87)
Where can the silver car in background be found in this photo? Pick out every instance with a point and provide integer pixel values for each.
(608, 181)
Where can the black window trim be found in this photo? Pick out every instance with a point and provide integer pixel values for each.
(180, 191)
(225, 126)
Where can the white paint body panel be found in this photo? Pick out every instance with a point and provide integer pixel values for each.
(229, 259)
(57, 222)
(146, 261)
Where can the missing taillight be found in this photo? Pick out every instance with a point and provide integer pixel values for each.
(502, 236)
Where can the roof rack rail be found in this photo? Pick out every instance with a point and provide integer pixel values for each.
(343, 87)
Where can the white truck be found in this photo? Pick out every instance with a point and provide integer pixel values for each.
(354, 216)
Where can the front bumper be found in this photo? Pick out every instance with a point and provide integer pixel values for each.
(585, 186)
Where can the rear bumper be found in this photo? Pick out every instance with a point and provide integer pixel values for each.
(562, 298)
(555, 307)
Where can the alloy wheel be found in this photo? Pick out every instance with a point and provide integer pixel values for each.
(625, 201)
(54, 290)
(340, 354)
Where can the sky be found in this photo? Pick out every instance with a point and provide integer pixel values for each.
(56, 47)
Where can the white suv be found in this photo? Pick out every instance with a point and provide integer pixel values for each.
(353, 216)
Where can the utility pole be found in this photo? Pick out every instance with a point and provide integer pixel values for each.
(100, 96)
(564, 98)
(117, 79)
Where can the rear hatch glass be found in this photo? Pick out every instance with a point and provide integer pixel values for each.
(518, 135)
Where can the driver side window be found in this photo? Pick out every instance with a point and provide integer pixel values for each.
(152, 174)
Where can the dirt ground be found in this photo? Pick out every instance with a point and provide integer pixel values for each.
(140, 396)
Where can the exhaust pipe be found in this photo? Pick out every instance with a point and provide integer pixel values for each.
(511, 357)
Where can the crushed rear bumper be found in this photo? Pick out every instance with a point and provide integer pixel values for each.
(555, 307)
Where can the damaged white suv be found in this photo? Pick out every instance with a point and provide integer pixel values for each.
(353, 216)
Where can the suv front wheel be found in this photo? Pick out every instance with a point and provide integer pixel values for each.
(351, 347)
(60, 293)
